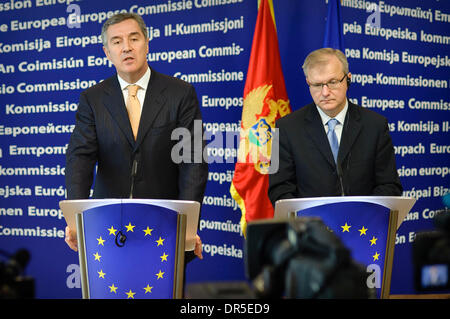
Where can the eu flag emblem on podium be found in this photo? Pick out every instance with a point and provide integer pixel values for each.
(130, 251)
(362, 227)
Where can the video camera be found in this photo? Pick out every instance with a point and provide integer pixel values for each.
(13, 284)
(431, 255)
(301, 258)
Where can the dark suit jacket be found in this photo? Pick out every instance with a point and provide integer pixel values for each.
(103, 135)
(307, 167)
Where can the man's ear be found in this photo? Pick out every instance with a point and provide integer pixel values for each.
(105, 49)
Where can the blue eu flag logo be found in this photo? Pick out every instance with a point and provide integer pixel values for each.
(361, 226)
(144, 265)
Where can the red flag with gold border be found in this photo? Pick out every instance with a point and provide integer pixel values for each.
(265, 100)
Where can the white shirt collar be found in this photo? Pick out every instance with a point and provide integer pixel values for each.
(340, 117)
(142, 82)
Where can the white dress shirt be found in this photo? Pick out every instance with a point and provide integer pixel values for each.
(340, 117)
(142, 82)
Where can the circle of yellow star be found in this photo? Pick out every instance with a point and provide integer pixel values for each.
(375, 257)
(160, 241)
(148, 289)
(362, 231)
(130, 294)
(97, 256)
(346, 228)
(159, 275)
(148, 231)
(112, 288)
(101, 274)
(112, 231)
(130, 227)
(101, 241)
(163, 257)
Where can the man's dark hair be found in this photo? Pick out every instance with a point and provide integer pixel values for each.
(117, 18)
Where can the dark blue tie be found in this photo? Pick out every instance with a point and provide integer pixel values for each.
(332, 138)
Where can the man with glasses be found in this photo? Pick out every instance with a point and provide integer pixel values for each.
(333, 147)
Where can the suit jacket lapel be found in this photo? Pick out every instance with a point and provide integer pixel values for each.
(352, 128)
(116, 106)
(153, 103)
(317, 133)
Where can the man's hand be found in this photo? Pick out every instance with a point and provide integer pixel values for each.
(71, 239)
(198, 247)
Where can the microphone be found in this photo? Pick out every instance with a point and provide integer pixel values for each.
(339, 173)
(134, 168)
(338, 165)
(120, 239)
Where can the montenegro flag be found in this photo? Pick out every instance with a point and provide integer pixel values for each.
(265, 100)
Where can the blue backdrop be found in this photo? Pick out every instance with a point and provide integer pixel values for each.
(400, 68)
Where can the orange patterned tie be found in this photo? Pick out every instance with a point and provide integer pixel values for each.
(133, 108)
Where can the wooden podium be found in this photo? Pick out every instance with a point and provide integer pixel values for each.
(132, 248)
(366, 224)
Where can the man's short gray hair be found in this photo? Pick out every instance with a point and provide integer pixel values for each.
(319, 56)
(119, 17)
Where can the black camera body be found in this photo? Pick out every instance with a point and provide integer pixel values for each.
(431, 256)
(13, 283)
(301, 258)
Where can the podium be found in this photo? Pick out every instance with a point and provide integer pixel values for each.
(132, 248)
(367, 225)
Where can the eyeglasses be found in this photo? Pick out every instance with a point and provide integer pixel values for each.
(333, 84)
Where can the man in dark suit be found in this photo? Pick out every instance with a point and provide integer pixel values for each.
(125, 123)
(350, 155)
